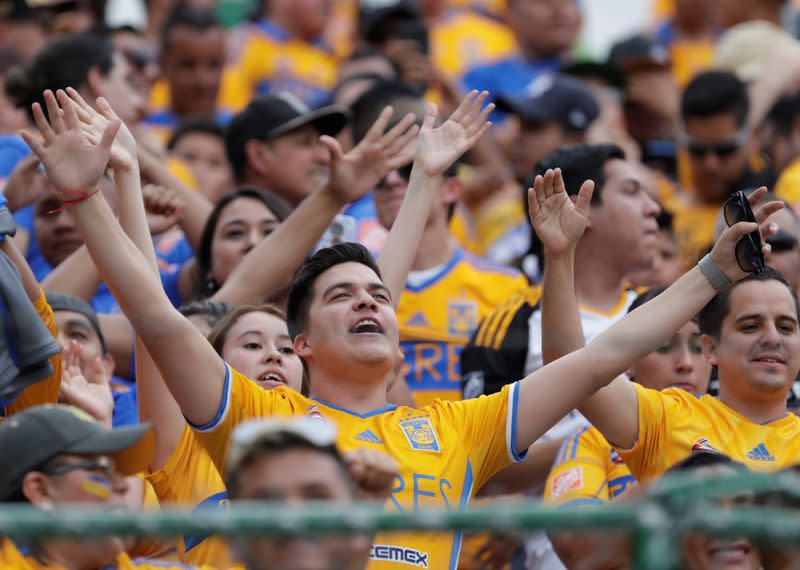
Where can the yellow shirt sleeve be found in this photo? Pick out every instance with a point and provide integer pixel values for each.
(657, 414)
(487, 426)
(242, 400)
(45, 391)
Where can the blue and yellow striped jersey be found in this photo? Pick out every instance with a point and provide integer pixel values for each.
(438, 316)
(586, 470)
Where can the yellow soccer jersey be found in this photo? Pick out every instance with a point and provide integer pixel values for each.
(586, 470)
(438, 316)
(462, 40)
(45, 391)
(673, 424)
(268, 60)
(190, 478)
(445, 453)
(20, 558)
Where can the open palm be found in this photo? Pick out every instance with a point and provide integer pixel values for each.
(439, 147)
(94, 123)
(558, 222)
(354, 174)
(71, 161)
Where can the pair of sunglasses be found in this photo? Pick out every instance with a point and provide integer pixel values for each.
(748, 249)
(722, 149)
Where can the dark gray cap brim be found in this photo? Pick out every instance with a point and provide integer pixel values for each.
(131, 448)
(326, 120)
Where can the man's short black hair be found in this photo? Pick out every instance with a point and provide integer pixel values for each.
(711, 316)
(301, 291)
(368, 106)
(714, 93)
(581, 162)
(192, 17)
(193, 125)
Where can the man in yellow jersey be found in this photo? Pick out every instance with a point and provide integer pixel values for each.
(345, 328)
(192, 59)
(751, 334)
(284, 50)
(717, 145)
(63, 458)
(447, 291)
(545, 31)
(261, 455)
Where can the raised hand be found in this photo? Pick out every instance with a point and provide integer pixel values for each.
(95, 121)
(163, 208)
(92, 396)
(439, 147)
(724, 251)
(354, 174)
(558, 222)
(72, 163)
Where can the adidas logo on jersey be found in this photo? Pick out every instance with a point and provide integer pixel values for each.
(369, 436)
(417, 320)
(760, 453)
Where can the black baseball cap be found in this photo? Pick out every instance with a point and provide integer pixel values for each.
(639, 52)
(33, 437)
(554, 98)
(607, 72)
(270, 116)
(373, 13)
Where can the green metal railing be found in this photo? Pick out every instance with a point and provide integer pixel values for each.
(656, 520)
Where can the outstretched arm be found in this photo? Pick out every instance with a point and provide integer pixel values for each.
(352, 175)
(569, 381)
(437, 149)
(192, 370)
(155, 403)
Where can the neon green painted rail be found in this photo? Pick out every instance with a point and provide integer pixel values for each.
(656, 521)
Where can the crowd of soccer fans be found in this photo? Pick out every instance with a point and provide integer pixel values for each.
(429, 253)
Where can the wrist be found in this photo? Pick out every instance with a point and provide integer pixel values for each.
(713, 273)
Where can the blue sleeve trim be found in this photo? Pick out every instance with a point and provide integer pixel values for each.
(222, 412)
(511, 424)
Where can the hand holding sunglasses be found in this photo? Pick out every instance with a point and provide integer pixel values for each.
(740, 249)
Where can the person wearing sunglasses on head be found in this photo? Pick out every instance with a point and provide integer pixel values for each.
(749, 332)
(716, 150)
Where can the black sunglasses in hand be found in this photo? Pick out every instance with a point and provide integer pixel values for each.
(748, 250)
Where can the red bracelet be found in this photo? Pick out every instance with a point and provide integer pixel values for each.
(81, 195)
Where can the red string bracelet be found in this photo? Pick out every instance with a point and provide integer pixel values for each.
(81, 195)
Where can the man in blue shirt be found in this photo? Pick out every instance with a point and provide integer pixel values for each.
(546, 31)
